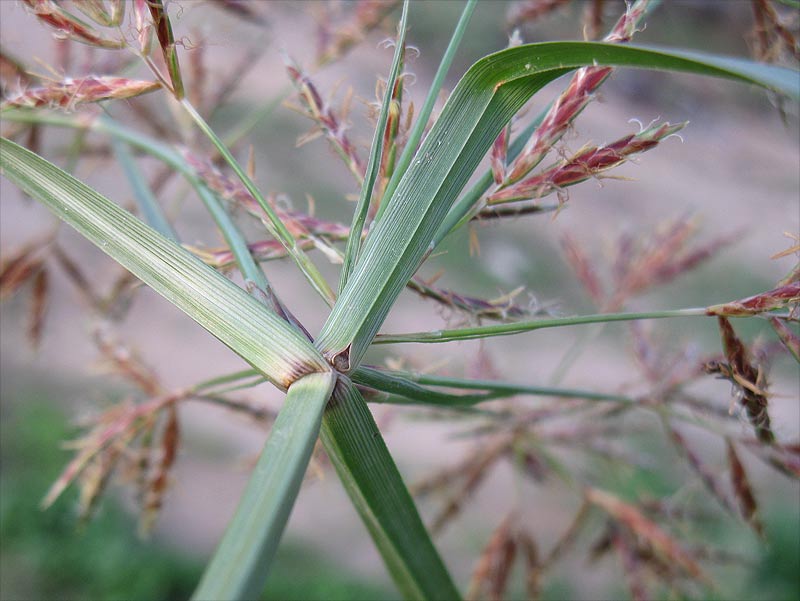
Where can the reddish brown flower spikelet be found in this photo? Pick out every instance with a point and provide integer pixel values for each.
(533, 571)
(326, 119)
(69, 93)
(163, 28)
(789, 339)
(583, 267)
(38, 307)
(95, 477)
(661, 542)
(782, 296)
(529, 11)
(773, 36)
(242, 9)
(587, 163)
(494, 564)
(75, 275)
(746, 376)
(631, 564)
(158, 484)
(743, 489)
(339, 38)
(111, 425)
(707, 475)
(498, 155)
(20, 268)
(63, 22)
(573, 100)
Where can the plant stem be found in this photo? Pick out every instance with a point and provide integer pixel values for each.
(273, 223)
(506, 329)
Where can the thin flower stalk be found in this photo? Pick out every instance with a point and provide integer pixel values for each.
(472, 333)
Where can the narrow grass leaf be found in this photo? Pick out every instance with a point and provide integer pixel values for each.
(264, 340)
(506, 329)
(240, 564)
(416, 133)
(413, 388)
(146, 201)
(367, 470)
(353, 248)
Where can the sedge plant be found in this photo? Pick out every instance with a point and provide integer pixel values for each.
(429, 173)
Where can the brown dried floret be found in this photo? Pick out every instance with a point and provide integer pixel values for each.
(69, 93)
(743, 489)
(748, 379)
(69, 25)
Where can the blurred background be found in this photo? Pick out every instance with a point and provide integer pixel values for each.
(735, 171)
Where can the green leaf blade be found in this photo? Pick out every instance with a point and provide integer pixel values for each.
(367, 470)
(264, 340)
(240, 564)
